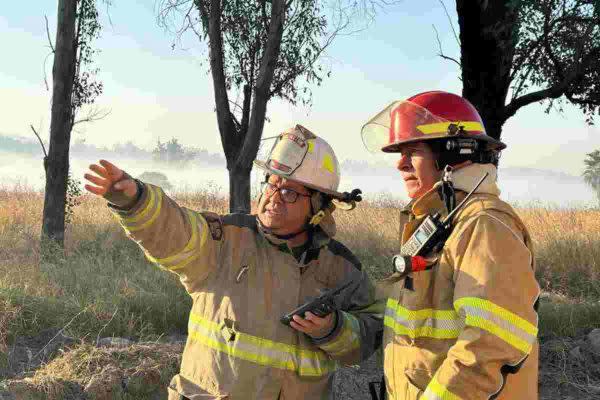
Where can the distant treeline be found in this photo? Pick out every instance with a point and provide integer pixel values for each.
(17, 145)
(171, 152)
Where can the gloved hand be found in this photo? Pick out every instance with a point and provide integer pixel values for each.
(114, 184)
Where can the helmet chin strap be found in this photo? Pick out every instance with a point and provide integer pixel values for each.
(305, 228)
(289, 235)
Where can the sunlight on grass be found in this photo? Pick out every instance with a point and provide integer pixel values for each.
(106, 287)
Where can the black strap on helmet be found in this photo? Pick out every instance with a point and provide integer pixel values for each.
(446, 190)
(456, 150)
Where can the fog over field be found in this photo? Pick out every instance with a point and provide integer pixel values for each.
(518, 185)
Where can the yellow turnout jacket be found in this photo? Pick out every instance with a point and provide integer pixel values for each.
(241, 283)
(465, 329)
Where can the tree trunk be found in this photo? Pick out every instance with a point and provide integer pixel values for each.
(239, 190)
(488, 40)
(63, 75)
(239, 176)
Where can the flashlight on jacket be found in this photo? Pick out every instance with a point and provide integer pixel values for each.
(404, 265)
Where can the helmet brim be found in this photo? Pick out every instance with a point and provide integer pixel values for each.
(492, 144)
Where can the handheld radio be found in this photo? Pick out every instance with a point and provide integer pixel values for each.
(429, 235)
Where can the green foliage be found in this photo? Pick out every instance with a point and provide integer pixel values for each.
(244, 24)
(85, 88)
(591, 173)
(244, 32)
(103, 289)
(558, 47)
(568, 319)
(172, 152)
(74, 193)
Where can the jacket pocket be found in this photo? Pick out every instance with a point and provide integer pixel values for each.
(175, 395)
(207, 389)
(412, 392)
(416, 382)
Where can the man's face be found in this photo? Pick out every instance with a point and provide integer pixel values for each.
(281, 217)
(417, 167)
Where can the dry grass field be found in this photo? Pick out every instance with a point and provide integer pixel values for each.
(105, 287)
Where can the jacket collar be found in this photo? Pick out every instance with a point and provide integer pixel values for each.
(467, 177)
(464, 179)
(317, 239)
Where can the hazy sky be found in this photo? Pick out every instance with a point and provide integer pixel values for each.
(154, 91)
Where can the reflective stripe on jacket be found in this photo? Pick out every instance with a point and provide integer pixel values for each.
(465, 329)
(241, 284)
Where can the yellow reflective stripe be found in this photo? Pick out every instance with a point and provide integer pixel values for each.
(421, 314)
(311, 145)
(487, 305)
(328, 163)
(442, 127)
(248, 356)
(347, 340)
(494, 329)
(191, 251)
(438, 324)
(155, 214)
(150, 204)
(437, 391)
(498, 321)
(259, 350)
(422, 331)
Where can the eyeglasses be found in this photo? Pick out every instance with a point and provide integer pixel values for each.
(287, 195)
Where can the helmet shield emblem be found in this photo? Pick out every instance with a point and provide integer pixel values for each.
(288, 153)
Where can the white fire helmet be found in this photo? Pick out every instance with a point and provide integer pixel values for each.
(299, 155)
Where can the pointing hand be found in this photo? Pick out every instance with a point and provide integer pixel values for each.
(112, 183)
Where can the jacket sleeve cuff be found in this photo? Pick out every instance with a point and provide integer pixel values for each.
(344, 338)
(144, 212)
(141, 189)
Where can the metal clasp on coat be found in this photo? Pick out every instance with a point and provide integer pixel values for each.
(241, 273)
(228, 329)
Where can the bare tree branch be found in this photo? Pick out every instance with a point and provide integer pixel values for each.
(94, 114)
(48, 34)
(224, 119)
(450, 21)
(108, 3)
(49, 54)
(369, 8)
(40, 140)
(45, 74)
(263, 83)
(45, 160)
(441, 53)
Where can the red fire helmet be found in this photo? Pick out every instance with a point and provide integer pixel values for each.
(425, 116)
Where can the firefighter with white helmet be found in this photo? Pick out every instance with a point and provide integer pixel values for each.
(244, 272)
(460, 319)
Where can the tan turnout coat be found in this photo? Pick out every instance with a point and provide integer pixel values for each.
(465, 329)
(241, 284)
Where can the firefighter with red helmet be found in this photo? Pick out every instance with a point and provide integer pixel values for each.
(462, 322)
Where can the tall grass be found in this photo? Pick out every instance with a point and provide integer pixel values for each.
(105, 287)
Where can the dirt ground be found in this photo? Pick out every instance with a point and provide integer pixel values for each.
(42, 369)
